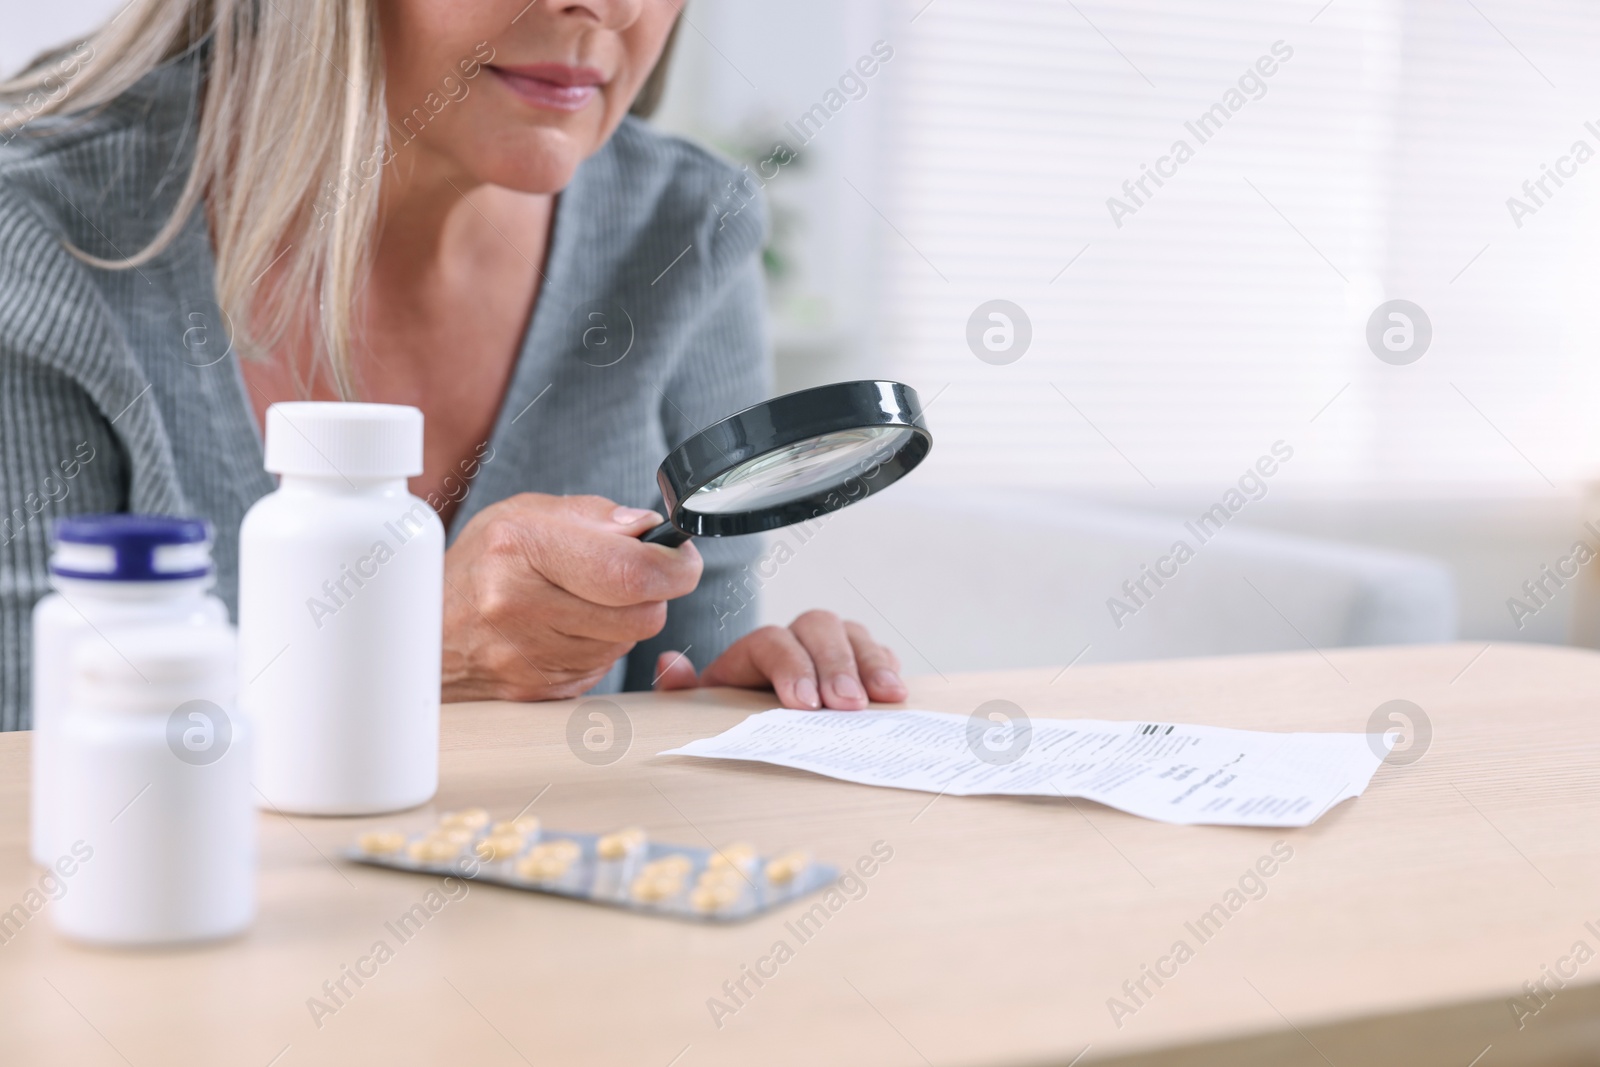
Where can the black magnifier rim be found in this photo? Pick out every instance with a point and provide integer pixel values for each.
(779, 423)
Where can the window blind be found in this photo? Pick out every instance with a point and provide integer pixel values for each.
(1177, 336)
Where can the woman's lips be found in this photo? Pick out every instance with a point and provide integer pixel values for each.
(552, 85)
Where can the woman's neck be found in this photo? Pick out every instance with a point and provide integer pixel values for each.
(456, 269)
(428, 205)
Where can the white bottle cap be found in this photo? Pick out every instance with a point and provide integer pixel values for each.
(349, 440)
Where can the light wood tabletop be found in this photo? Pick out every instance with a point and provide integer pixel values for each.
(1396, 930)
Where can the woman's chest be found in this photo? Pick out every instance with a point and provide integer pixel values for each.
(455, 366)
(447, 344)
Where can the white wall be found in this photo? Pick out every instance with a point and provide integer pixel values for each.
(30, 28)
(742, 70)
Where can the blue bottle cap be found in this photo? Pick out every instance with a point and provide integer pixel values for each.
(131, 548)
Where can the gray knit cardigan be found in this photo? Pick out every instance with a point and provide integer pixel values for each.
(118, 391)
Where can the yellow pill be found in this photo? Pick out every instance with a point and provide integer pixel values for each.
(561, 846)
(615, 846)
(382, 842)
(713, 897)
(456, 835)
(741, 856)
(434, 850)
(540, 868)
(649, 889)
(675, 862)
(469, 818)
(548, 861)
(662, 878)
(731, 876)
(498, 847)
(787, 867)
(527, 824)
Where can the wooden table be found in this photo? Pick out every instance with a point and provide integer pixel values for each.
(1396, 934)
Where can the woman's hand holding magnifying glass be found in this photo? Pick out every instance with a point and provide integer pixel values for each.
(544, 593)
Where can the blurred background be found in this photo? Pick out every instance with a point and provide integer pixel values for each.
(1159, 336)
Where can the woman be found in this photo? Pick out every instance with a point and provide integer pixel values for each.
(209, 206)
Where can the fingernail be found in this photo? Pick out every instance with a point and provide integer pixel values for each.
(848, 688)
(628, 516)
(886, 679)
(805, 692)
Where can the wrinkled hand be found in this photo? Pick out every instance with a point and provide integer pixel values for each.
(544, 593)
(817, 661)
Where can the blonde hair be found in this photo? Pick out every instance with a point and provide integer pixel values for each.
(292, 118)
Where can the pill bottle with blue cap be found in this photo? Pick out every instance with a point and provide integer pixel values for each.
(107, 572)
(155, 797)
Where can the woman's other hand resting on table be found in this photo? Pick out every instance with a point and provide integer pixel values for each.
(819, 660)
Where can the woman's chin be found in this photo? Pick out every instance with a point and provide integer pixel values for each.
(540, 160)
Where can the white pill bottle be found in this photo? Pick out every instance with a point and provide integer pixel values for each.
(107, 571)
(156, 803)
(341, 588)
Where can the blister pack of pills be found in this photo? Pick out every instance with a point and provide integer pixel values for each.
(624, 868)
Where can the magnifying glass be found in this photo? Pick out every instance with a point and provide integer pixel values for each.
(790, 459)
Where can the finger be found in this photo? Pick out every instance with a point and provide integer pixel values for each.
(877, 665)
(674, 671)
(617, 569)
(597, 558)
(510, 652)
(635, 521)
(573, 617)
(489, 660)
(629, 520)
(823, 637)
(768, 656)
(510, 590)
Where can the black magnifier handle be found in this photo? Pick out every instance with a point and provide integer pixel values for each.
(665, 534)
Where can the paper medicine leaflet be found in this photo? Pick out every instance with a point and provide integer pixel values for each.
(1171, 772)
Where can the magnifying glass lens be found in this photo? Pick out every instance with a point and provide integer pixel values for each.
(797, 471)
